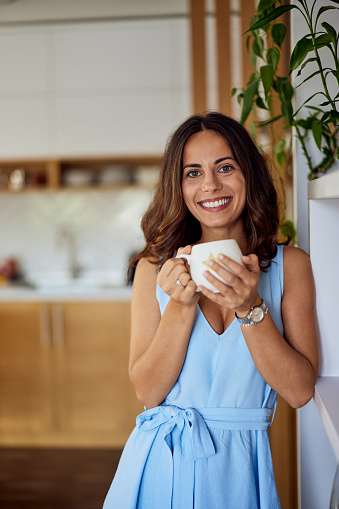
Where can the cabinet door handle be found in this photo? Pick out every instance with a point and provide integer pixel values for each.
(45, 325)
(58, 324)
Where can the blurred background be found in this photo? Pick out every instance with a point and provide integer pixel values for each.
(89, 92)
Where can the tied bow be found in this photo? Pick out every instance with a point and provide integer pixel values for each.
(177, 421)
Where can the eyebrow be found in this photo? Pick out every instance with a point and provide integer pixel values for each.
(196, 165)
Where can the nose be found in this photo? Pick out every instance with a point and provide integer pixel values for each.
(211, 183)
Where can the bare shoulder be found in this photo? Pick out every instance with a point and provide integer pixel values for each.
(146, 269)
(297, 267)
(145, 281)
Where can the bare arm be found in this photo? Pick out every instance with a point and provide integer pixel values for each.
(159, 344)
(288, 364)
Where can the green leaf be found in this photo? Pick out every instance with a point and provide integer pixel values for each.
(305, 63)
(265, 4)
(304, 123)
(234, 91)
(309, 77)
(253, 58)
(266, 73)
(334, 114)
(273, 56)
(288, 230)
(287, 111)
(271, 16)
(325, 116)
(287, 91)
(300, 52)
(279, 151)
(322, 40)
(278, 33)
(281, 158)
(280, 146)
(326, 103)
(258, 46)
(279, 84)
(260, 103)
(317, 132)
(269, 121)
(248, 101)
(253, 130)
(330, 30)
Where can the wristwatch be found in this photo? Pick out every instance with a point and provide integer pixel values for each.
(256, 315)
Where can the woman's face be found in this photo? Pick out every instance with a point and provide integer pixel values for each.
(213, 186)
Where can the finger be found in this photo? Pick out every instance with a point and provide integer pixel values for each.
(171, 265)
(251, 263)
(223, 285)
(218, 298)
(184, 278)
(224, 272)
(185, 250)
(233, 266)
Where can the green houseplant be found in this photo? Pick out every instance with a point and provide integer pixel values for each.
(318, 115)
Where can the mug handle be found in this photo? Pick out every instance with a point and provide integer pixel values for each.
(186, 256)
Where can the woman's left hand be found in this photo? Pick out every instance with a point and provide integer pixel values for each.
(240, 290)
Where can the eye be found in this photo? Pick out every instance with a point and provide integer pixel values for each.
(225, 169)
(193, 173)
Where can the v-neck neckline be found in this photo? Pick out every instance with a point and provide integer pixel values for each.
(225, 332)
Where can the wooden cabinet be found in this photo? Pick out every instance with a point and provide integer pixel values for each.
(63, 374)
(25, 365)
(76, 172)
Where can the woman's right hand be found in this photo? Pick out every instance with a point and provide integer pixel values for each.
(174, 270)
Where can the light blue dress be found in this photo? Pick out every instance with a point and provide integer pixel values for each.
(207, 445)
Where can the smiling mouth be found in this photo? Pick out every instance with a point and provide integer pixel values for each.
(214, 203)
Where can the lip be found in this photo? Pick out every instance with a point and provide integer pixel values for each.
(215, 204)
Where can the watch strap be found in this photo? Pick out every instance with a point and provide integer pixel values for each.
(251, 319)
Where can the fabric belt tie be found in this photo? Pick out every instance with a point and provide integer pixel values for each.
(195, 423)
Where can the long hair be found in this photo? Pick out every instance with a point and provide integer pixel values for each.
(168, 224)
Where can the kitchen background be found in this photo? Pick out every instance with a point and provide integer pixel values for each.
(116, 83)
(84, 87)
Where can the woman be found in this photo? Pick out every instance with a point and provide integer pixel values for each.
(208, 374)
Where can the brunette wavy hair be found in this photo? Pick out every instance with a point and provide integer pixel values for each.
(168, 224)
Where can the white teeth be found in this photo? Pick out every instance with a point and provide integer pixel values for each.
(217, 203)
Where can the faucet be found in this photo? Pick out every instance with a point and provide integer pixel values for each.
(66, 236)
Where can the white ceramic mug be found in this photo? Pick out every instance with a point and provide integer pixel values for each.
(209, 251)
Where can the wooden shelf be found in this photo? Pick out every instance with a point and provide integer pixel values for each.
(326, 398)
(51, 173)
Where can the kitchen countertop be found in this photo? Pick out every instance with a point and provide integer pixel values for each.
(64, 294)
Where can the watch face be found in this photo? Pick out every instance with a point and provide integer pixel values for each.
(257, 314)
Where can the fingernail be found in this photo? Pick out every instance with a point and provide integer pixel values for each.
(220, 256)
(210, 263)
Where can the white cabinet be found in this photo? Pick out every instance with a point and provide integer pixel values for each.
(323, 197)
